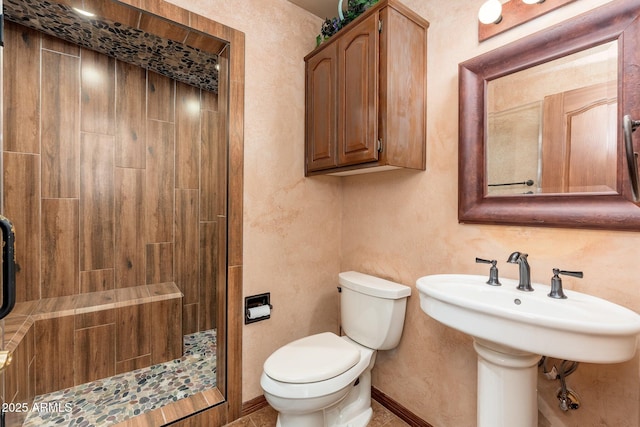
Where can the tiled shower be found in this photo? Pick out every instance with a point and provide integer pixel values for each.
(115, 179)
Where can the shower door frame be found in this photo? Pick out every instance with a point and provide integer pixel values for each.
(229, 379)
(230, 302)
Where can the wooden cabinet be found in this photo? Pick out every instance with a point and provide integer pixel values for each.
(366, 95)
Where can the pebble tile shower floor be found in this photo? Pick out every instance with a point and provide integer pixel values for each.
(112, 400)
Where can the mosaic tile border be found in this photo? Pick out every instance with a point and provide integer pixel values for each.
(167, 57)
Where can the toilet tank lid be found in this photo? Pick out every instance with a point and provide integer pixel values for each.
(373, 286)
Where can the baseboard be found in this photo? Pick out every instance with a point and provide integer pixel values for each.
(394, 407)
(253, 405)
(397, 409)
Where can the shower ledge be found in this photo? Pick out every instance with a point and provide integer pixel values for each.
(18, 322)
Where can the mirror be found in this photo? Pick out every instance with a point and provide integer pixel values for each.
(532, 118)
(552, 128)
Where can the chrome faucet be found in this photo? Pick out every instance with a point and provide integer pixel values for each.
(525, 273)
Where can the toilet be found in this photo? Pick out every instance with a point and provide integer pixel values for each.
(325, 379)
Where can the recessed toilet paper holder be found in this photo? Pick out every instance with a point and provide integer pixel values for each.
(257, 308)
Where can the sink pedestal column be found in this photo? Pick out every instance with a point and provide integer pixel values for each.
(507, 386)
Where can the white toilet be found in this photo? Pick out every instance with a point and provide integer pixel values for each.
(325, 380)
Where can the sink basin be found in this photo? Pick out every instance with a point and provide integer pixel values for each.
(581, 328)
(511, 329)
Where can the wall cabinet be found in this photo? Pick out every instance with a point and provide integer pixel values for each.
(366, 95)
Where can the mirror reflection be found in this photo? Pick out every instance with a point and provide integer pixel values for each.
(552, 128)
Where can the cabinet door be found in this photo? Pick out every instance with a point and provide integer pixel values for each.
(321, 105)
(358, 93)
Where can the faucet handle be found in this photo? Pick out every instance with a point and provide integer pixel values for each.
(493, 271)
(556, 282)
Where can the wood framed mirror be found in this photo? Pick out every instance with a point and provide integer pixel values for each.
(612, 27)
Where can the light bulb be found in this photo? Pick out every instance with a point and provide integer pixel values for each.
(490, 12)
(84, 12)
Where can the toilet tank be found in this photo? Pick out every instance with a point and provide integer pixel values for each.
(372, 309)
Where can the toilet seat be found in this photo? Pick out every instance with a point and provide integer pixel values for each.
(312, 359)
(283, 390)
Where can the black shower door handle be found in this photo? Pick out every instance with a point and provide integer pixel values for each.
(8, 267)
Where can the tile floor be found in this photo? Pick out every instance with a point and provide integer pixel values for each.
(112, 400)
(266, 417)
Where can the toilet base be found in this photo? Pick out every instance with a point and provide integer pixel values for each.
(358, 414)
(352, 411)
(317, 420)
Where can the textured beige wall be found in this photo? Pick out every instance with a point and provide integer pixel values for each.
(403, 225)
(299, 233)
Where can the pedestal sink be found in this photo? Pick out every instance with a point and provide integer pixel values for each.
(513, 329)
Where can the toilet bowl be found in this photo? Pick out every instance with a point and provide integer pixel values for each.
(324, 379)
(295, 401)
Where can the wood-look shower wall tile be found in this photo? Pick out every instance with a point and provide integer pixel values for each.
(213, 167)
(21, 195)
(130, 230)
(223, 85)
(160, 97)
(185, 407)
(21, 130)
(190, 318)
(130, 116)
(115, 11)
(188, 131)
(163, 28)
(159, 181)
(223, 283)
(209, 100)
(60, 125)
(54, 343)
(94, 354)
(97, 92)
(95, 318)
(99, 199)
(58, 45)
(97, 280)
(164, 9)
(133, 331)
(236, 173)
(209, 254)
(12, 377)
(208, 26)
(159, 263)
(133, 364)
(21, 359)
(166, 330)
(187, 239)
(30, 342)
(60, 243)
(96, 202)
